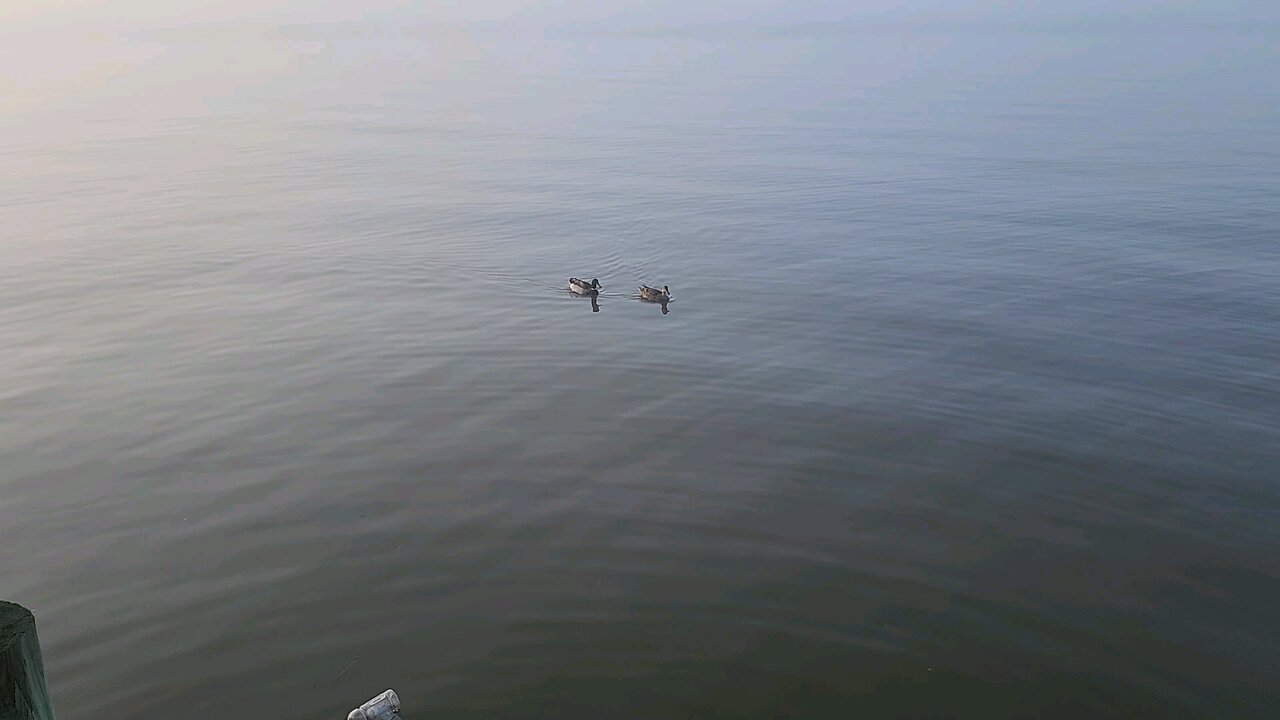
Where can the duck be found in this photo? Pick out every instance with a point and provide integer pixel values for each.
(582, 287)
(654, 294)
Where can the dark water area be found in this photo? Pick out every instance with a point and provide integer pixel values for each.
(966, 404)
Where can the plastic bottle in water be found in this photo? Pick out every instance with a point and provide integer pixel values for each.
(382, 707)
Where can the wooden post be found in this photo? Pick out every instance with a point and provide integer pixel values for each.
(23, 693)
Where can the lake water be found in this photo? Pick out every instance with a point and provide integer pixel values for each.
(967, 401)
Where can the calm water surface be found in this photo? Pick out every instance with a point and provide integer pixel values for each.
(967, 403)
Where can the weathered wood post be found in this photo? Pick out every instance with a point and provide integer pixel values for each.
(23, 693)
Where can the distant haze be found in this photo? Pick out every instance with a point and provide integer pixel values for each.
(52, 13)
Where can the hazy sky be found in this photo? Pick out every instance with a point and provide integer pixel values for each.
(158, 12)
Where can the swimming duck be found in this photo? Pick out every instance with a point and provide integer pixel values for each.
(654, 294)
(582, 287)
